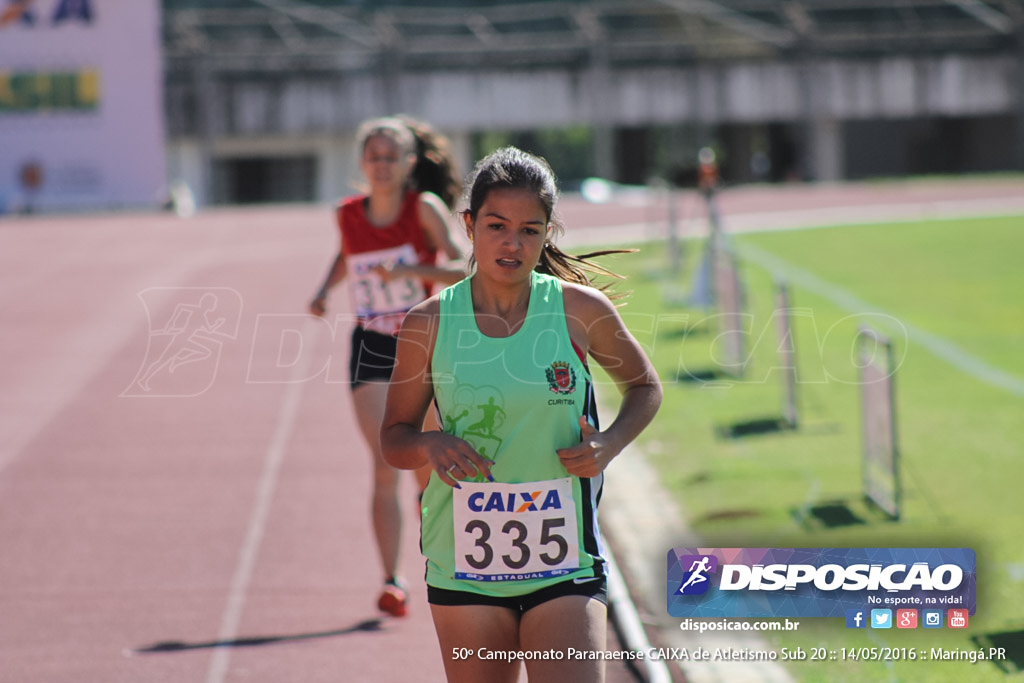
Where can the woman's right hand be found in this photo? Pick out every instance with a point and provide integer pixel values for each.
(454, 459)
(318, 306)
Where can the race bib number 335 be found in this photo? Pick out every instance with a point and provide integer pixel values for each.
(512, 532)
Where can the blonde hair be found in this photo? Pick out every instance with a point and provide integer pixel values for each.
(389, 127)
(435, 170)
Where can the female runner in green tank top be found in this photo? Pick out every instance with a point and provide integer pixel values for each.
(509, 518)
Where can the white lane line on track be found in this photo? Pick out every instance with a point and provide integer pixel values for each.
(277, 448)
(941, 348)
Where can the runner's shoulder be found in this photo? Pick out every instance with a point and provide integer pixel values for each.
(422, 317)
(585, 302)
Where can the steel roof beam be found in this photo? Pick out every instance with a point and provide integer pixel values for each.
(327, 19)
(985, 14)
(741, 23)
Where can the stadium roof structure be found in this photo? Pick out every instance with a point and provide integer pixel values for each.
(364, 35)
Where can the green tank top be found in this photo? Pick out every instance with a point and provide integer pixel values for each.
(516, 400)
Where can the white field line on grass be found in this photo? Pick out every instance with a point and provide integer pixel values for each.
(908, 212)
(938, 346)
(693, 223)
(640, 514)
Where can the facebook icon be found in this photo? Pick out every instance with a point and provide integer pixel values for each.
(855, 618)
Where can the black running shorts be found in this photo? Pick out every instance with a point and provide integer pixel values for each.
(594, 588)
(372, 358)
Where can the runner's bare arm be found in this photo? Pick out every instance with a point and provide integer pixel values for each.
(434, 216)
(403, 443)
(615, 349)
(435, 219)
(448, 274)
(336, 273)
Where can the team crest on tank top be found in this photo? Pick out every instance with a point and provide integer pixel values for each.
(561, 377)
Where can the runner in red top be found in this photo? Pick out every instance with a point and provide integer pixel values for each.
(373, 253)
(390, 238)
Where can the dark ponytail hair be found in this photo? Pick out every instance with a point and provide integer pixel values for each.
(512, 168)
(435, 169)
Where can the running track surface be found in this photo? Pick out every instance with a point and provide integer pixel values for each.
(210, 524)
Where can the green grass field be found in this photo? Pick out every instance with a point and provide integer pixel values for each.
(927, 285)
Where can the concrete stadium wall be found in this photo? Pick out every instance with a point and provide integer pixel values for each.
(218, 115)
(898, 87)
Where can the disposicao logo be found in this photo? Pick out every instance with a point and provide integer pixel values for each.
(818, 582)
(696, 579)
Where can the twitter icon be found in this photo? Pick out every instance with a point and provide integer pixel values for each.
(881, 618)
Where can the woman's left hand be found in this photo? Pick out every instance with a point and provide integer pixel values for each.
(591, 455)
(388, 271)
